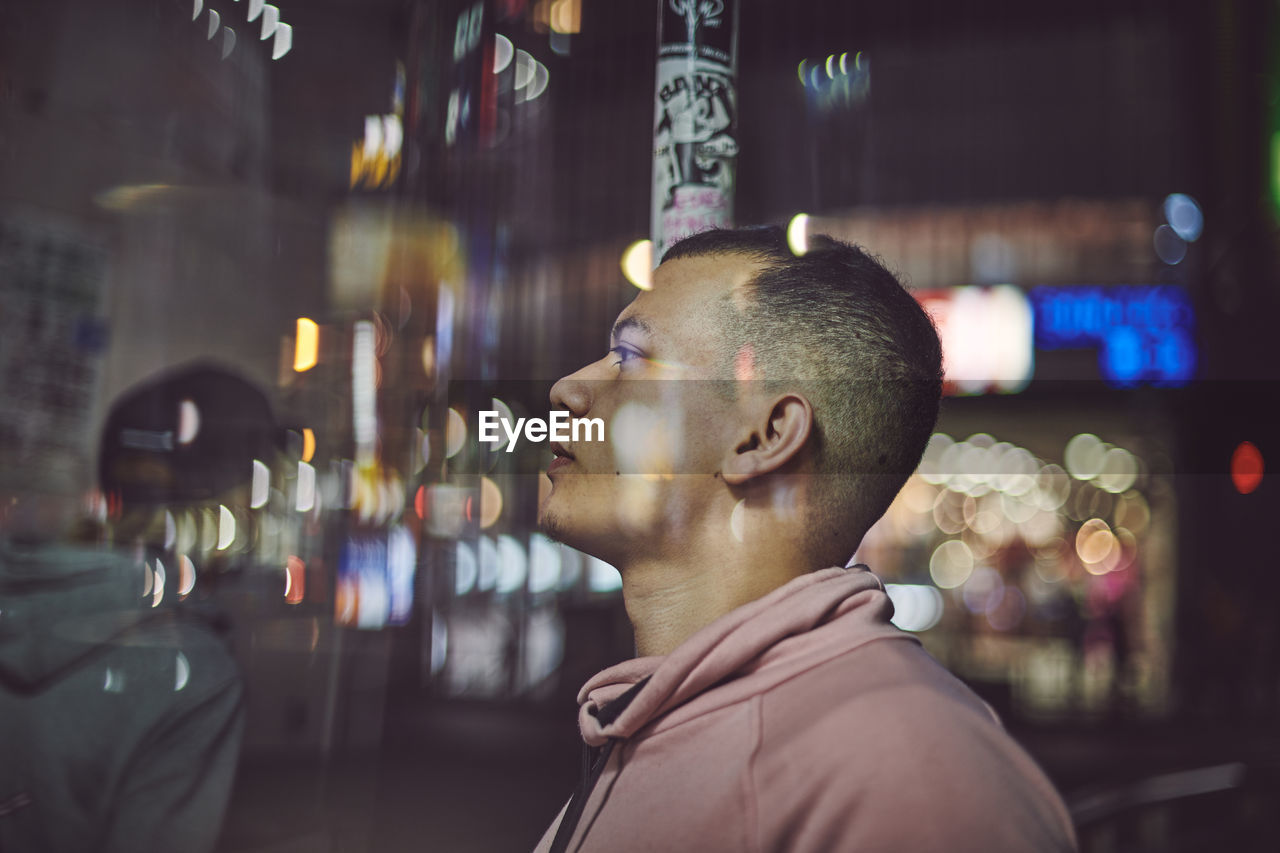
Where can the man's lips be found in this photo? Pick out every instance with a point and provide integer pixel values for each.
(563, 457)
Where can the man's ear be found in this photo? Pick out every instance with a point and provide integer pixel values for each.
(771, 444)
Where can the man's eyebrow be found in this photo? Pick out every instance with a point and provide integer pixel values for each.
(630, 323)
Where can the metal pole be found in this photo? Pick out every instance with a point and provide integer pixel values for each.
(695, 144)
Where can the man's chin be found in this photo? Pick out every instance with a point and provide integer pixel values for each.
(551, 527)
(563, 530)
(554, 524)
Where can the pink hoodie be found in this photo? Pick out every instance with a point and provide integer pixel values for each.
(804, 721)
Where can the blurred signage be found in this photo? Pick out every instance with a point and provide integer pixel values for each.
(1143, 333)
(695, 144)
(471, 111)
(375, 160)
(986, 335)
(375, 579)
(378, 258)
(1051, 243)
(52, 338)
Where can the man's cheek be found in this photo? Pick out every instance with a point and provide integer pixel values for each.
(646, 439)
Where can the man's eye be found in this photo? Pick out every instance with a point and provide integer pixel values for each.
(624, 355)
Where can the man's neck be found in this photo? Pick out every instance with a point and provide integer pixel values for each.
(668, 600)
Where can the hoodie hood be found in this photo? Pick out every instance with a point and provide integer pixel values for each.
(801, 624)
(58, 604)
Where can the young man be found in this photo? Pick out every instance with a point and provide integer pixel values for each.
(771, 706)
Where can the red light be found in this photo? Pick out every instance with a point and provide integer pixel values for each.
(295, 579)
(1246, 467)
(420, 502)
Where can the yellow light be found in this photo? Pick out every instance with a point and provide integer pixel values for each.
(308, 444)
(637, 264)
(129, 196)
(357, 163)
(455, 433)
(566, 16)
(541, 15)
(1096, 546)
(798, 234)
(307, 345)
(429, 356)
(490, 503)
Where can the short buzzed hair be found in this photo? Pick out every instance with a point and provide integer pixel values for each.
(865, 351)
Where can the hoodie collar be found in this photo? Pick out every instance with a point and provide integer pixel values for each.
(737, 641)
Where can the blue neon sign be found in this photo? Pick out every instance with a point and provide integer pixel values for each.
(1143, 333)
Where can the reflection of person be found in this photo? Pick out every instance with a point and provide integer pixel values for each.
(122, 714)
(772, 705)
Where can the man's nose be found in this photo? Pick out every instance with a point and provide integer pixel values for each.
(574, 392)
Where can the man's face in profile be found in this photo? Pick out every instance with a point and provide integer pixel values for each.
(654, 474)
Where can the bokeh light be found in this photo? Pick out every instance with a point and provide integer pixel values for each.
(951, 564)
(186, 575)
(306, 345)
(1118, 472)
(513, 565)
(1169, 247)
(916, 607)
(295, 579)
(157, 583)
(798, 228)
(306, 486)
(602, 577)
(226, 528)
(545, 563)
(931, 470)
(1184, 216)
(1084, 456)
(260, 486)
(1096, 546)
(1246, 467)
(490, 503)
(503, 51)
(637, 264)
(455, 433)
(188, 421)
(466, 569)
(490, 561)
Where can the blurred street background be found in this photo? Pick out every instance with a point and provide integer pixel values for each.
(386, 215)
